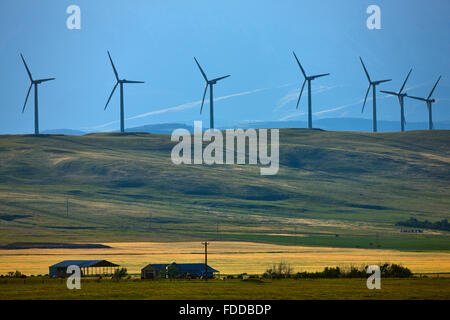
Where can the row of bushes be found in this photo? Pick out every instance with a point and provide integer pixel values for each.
(414, 223)
(283, 270)
(13, 274)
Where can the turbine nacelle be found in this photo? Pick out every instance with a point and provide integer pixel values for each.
(400, 95)
(121, 81)
(427, 99)
(33, 82)
(307, 78)
(208, 82)
(42, 80)
(371, 84)
(429, 102)
(129, 81)
(392, 93)
(214, 81)
(375, 83)
(317, 76)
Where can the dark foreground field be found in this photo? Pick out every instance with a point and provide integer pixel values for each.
(227, 289)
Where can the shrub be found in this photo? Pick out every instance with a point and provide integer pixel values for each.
(16, 274)
(394, 271)
(120, 273)
(278, 271)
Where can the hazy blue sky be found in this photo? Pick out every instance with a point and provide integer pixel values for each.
(155, 41)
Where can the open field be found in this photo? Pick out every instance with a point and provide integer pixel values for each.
(334, 189)
(334, 202)
(227, 257)
(226, 289)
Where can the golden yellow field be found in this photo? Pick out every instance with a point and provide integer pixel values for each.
(227, 256)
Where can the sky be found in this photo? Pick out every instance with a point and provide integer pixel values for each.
(252, 40)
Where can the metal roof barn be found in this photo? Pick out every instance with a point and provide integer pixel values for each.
(88, 267)
(175, 270)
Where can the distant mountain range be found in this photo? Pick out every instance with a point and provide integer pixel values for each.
(162, 128)
(64, 131)
(329, 124)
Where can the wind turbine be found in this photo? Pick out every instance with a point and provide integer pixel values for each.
(121, 82)
(429, 104)
(372, 84)
(209, 83)
(35, 83)
(401, 99)
(309, 79)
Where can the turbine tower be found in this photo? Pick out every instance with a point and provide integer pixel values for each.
(121, 82)
(372, 84)
(401, 99)
(209, 83)
(36, 108)
(429, 104)
(309, 79)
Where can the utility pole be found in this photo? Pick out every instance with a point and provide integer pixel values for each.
(206, 259)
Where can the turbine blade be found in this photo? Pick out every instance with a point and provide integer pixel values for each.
(391, 93)
(203, 100)
(132, 81)
(114, 68)
(320, 75)
(26, 99)
(382, 81)
(365, 99)
(26, 67)
(45, 80)
(201, 70)
(429, 96)
(365, 70)
(217, 79)
(417, 98)
(299, 64)
(112, 92)
(404, 83)
(300, 95)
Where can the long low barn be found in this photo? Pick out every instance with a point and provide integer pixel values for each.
(87, 267)
(175, 270)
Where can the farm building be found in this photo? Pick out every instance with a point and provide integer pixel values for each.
(174, 270)
(87, 267)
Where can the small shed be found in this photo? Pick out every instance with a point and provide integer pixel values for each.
(152, 271)
(87, 268)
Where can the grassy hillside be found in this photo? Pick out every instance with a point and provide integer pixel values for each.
(334, 188)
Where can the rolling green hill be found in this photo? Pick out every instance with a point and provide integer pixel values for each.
(333, 188)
